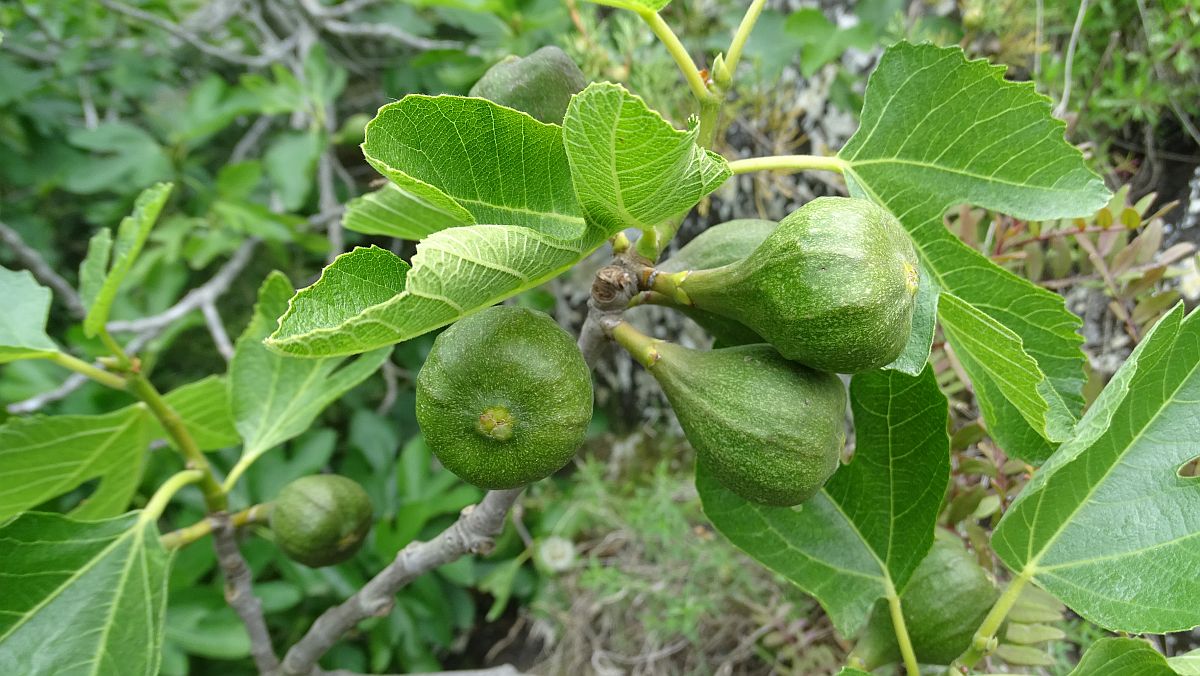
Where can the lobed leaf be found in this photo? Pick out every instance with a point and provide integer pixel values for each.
(43, 457)
(101, 278)
(23, 323)
(938, 130)
(1108, 524)
(871, 525)
(81, 597)
(204, 408)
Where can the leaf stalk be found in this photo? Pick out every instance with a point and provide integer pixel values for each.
(679, 53)
(901, 630)
(982, 643)
(158, 502)
(182, 537)
(79, 366)
(792, 163)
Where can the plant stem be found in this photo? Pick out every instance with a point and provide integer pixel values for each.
(667, 284)
(678, 52)
(642, 347)
(739, 39)
(115, 348)
(189, 534)
(788, 163)
(214, 497)
(981, 643)
(158, 502)
(79, 366)
(906, 649)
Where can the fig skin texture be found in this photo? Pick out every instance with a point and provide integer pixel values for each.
(504, 398)
(540, 84)
(768, 429)
(943, 604)
(833, 287)
(321, 520)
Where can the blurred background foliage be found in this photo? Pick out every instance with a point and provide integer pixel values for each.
(255, 108)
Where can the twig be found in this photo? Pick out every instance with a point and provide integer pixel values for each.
(391, 384)
(344, 9)
(389, 32)
(231, 56)
(326, 201)
(72, 383)
(33, 261)
(502, 670)
(250, 139)
(211, 290)
(474, 532)
(215, 327)
(239, 593)
(1070, 60)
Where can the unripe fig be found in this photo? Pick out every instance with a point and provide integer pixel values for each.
(504, 398)
(833, 287)
(321, 520)
(768, 429)
(540, 84)
(943, 604)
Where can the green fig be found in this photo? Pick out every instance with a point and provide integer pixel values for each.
(943, 604)
(321, 520)
(540, 84)
(768, 429)
(504, 398)
(833, 287)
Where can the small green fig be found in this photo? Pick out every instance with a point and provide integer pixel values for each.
(943, 604)
(833, 287)
(768, 429)
(540, 84)
(504, 398)
(321, 520)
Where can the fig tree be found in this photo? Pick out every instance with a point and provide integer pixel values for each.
(943, 604)
(540, 84)
(769, 429)
(833, 287)
(504, 398)
(321, 520)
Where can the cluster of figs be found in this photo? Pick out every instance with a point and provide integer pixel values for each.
(505, 397)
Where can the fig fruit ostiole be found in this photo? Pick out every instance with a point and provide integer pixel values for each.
(504, 398)
(321, 520)
(833, 287)
(769, 429)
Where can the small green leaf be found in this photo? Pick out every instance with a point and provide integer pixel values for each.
(43, 457)
(1029, 634)
(938, 130)
(630, 167)
(275, 397)
(393, 211)
(871, 525)
(92, 596)
(23, 322)
(1124, 656)
(204, 408)
(636, 5)
(1107, 524)
(99, 295)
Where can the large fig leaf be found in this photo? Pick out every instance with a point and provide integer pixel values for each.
(862, 536)
(81, 597)
(938, 130)
(1123, 656)
(23, 323)
(1108, 524)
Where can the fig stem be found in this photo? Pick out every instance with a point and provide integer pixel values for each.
(643, 348)
(79, 366)
(990, 625)
(158, 502)
(668, 284)
(725, 78)
(679, 53)
(901, 630)
(791, 163)
(189, 534)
